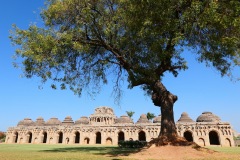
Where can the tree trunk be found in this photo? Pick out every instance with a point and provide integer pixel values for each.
(163, 98)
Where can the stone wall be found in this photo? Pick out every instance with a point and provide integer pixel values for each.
(103, 127)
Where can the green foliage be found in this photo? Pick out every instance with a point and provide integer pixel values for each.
(132, 144)
(150, 116)
(2, 135)
(130, 113)
(84, 41)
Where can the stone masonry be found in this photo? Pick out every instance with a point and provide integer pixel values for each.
(103, 127)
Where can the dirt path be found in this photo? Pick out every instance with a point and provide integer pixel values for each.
(180, 153)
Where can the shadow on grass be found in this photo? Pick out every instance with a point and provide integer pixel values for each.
(111, 151)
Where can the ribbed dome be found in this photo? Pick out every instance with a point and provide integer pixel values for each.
(82, 120)
(157, 119)
(143, 119)
(40, 121)
(184, 118)
(53, 121)
(208, 117)
(124, 119)
(68, 120)
(26, 122)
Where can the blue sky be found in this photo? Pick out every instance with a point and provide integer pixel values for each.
(198, 89)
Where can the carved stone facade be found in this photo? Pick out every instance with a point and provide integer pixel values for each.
(103, 127)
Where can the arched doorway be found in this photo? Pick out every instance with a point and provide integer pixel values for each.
(44, 137)
(109, 141)
(98, 138)
(213, 138)
(141, 136)
(121, 136)
(29, 137)
(60, 139)
(188, 136)
(77, 137)
(228, 142)
(201, 142)
(86, 140)
(16, 137)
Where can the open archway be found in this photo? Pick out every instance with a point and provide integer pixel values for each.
(16, 137)
(188, 136)
(121, 136)
(60, 138)
(98, 138)
(29, 137)
(77, 137)
(86, 140)
(44, 137)
(141, 136)
(213, 138)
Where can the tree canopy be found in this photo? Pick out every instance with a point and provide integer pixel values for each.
(150, 116)
(83, 41)
(130, 113)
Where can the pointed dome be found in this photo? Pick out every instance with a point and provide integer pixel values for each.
(157, 119)
(143, 119)
(124, 119)
(68, 120)
(82, 120)
(53, 121)
(184, 118)
(208, 117)
(40, 121)
(26, 122)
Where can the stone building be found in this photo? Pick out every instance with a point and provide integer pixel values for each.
(103, 127)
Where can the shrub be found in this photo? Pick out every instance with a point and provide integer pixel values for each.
(132, 144)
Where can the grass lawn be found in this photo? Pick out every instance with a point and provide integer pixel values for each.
(60, 152)
(229, 150)
(77, 152)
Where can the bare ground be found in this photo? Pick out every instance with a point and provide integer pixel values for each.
(180, 153)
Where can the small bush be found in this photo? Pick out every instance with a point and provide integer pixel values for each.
(132, 144)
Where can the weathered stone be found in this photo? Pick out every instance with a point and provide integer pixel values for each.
(103, 127)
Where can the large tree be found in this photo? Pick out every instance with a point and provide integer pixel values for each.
(83, 41)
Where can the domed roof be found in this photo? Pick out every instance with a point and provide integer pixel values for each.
(157, 119)
(208, 117)
(143, 119)
(184, 118)
(53, 121)
(68, 120)
(26, 122)
(82, 120)
(40, 121)
(124, 119)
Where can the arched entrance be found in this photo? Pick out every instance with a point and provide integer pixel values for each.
(141, 136)
(98, 138)
(44, 137)
(29, 137)
(77, 137)
(121, 136)
(201, 142)
(109, 141)
(228, 142)
(86, 140)
(60, 139)
(188, 136)
(16, 137)
(213, 138)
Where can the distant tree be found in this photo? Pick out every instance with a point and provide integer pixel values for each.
(2, 135)
(130, 113)
(150, 116)
(84, 41)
